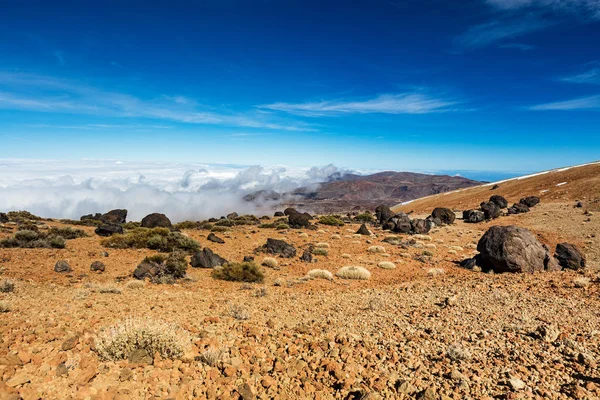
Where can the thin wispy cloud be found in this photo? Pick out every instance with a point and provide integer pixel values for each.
(19, 91)
(516, 18)
(401, 103)
(517, 46)
(590, 75)
(583, 103)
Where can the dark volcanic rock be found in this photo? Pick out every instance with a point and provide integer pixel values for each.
(383, 214)
(214, 238)
(473, 216)
(232, 215)
(3, 218)
(569, 256)
(298, 220)
(279, 214)
(62, 266)
(207, 259)
(401, 223)
(108, 230)
(307, 256)
(421, 226)
(491, 210)
(499, 201)
(512, 249)
(276, 246)
(363, 230)
(289, 211)
(118, 216)
(530, 201)
(248, 258)
(156, 220)
(445, 215)
(97, 266)
(518, 208)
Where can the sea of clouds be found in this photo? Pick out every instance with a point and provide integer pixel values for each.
(70, 189)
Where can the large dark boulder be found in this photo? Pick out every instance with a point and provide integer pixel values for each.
(3, 218)
(421, 226)
(214, 238)
(118, 216)
(569, 256)
(207, 259)
(499, 201)
(279, 214)
(473, 216)
(512, 249)
(530, 201)
(97, 266)
(156, 220)
(276, 246)
(289, 211)
(298, 220)
(383, 214)
(307, 256)
(363, 230)
(491, 210)
(232, 215)
(399, 223)
(445, 215)
(518, 208)
(62, 266)
(108, 230)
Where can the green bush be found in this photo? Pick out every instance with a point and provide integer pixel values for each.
(68, 233)
(21, 216)
(85, 222)
(28, 239)
(364, 218)
(219, 229)
(131, 225)
(320, 252)
(333, 220)
(282, 226)
(161, 239)
(239, 272)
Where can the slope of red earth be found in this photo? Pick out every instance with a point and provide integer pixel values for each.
(426, 329)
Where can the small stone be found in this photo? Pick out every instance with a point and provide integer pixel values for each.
(245, 390)
(18, 380)
(62, 266)
(516, 384)
(267, 382)
(125, 375)
(62, 370)
(97, 266)
(70, 343)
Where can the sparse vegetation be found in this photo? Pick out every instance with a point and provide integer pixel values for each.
(386, 265)
(239, 312)
(457, 352)
(30, 239)
(351, 272)
(161, 239)
(376, 249)
(117, 342)
(581, 282)
(427, 253)
(211, 356)
(364, 218)
(270, 262)
(320, 274)
(68, 233)
(4, 307)
(320, 252)
(7, 286)
(282, 226)
(134, 284)
(220, 229)
(435, 271)
(239, 272)
(21, 216)
(322, 245)
(333, 220)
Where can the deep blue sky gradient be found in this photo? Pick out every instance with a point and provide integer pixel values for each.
(500, 85)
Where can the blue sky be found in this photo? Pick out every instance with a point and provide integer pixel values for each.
(499, 85)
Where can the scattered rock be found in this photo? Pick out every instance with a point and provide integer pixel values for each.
(70, 343)
(62, 370)
(499, 201)
(108, 230)
(214, 238)
(569, 256)
(363, 230)
(445, 215)
(3, 218)
(383, 213)
(279, 214)
(97, 266)
(530, 201)
(207, 259)
(473, 216)
(289, 211)
(140, 356)
(516, 384)
(232, 215)
(156, 220)
(421, 226)
(276, 246)
(62, 266)
(298, 220)
(490, 210)
(307, 256)
(518, 208)
(248, 258)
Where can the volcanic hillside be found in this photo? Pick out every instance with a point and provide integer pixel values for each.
(577, 183)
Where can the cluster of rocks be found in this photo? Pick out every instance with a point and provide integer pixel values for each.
(515, 249)
(401, 223)
(492, 209)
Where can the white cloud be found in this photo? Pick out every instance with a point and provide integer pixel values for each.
(59, 189)
(584, 8)
(583, 103)
(517, 46)
(20, 91)
(591, 75)
(401, 103)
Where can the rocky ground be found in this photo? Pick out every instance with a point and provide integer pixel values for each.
(427, 329)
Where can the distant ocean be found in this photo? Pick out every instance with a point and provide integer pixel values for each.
(485, 176)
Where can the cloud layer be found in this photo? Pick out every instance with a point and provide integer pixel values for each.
(57, 189)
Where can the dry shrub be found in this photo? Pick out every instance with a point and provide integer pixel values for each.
(239, 272)
(425, 238)
(320, 252)
(335, 236)
(239, 312)
(581, 282)
(211, 356)
(457, 352)
(7, 286)
(376, 249)
(134, 284)
(345, 255)
(270, 262)
(303, 235)
(435, 271)
(117, 342)
(161, 239)
(351, 272)
(320, 274)
(322, 245)
(386, 265)
(4, 307)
